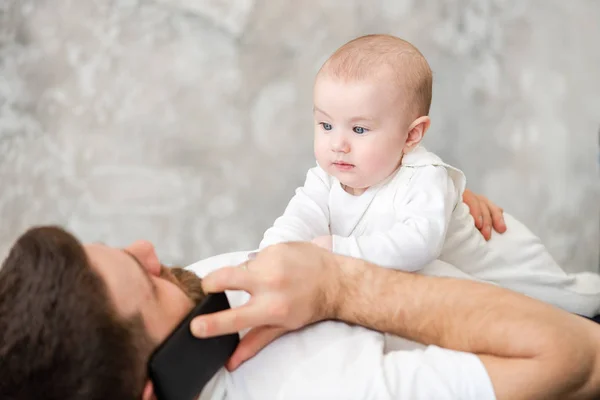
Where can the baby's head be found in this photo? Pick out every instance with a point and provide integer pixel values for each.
(371, 105)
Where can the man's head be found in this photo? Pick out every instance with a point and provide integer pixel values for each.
(80, 322)
(371, 105)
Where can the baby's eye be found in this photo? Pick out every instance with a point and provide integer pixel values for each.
(326, 126)
(359, 129)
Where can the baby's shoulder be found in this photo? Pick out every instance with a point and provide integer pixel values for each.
(428, 166)
(421, 157)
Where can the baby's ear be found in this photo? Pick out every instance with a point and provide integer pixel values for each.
(416, 131)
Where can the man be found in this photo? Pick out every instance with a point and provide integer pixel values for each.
(79, 322)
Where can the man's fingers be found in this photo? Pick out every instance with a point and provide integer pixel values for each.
(497, 215)
(228, 278)
(228, 321)
(254, 341)
(498, 223)
(486, 228)
(474, 208)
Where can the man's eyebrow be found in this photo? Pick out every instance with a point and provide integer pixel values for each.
(145, 272)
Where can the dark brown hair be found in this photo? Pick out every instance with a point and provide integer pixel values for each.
(60, 336)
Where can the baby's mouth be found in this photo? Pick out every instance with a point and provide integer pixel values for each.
(343, 165)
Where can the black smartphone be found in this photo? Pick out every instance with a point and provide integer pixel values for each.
(183, 364)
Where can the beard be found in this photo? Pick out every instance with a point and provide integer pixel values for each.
(189, 282)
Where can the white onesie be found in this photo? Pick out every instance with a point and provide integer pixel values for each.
(417, 216)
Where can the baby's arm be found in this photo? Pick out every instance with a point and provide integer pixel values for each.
(307, 214)
(421, 220)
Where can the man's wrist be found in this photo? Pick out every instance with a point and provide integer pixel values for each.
(371, 296)
(347, 287)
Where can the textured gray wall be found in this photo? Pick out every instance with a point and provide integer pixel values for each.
(188, 122)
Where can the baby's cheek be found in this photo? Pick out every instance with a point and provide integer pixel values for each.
(320, 152)
(383, 163)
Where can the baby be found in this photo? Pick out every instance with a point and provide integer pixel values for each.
(378, 194)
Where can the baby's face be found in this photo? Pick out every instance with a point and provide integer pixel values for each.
(360, 130)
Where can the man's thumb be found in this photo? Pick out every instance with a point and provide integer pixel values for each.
(253, 342)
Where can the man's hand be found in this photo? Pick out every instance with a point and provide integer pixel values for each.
(325, 242)
(487, 215)
(291, 284)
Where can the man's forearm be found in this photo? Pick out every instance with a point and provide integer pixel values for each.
(499, 325)
(462, 315)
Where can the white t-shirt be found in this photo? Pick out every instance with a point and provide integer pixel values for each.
(335, 360)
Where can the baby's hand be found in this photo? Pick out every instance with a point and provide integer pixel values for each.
(325, 242)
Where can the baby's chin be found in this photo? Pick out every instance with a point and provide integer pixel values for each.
(189, 282)
(353, 186)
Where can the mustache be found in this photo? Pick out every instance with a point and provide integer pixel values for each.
(189, 282)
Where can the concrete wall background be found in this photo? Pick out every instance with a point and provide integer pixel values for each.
(188, 123)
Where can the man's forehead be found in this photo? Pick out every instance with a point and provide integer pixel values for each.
(95, 251)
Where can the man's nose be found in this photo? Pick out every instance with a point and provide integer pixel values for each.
(339, 143)
(146, 254)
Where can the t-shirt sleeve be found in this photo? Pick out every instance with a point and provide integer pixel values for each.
(354, 365)
(436, 373)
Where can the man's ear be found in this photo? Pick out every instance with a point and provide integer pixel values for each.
(416, 131)
(148, 393)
